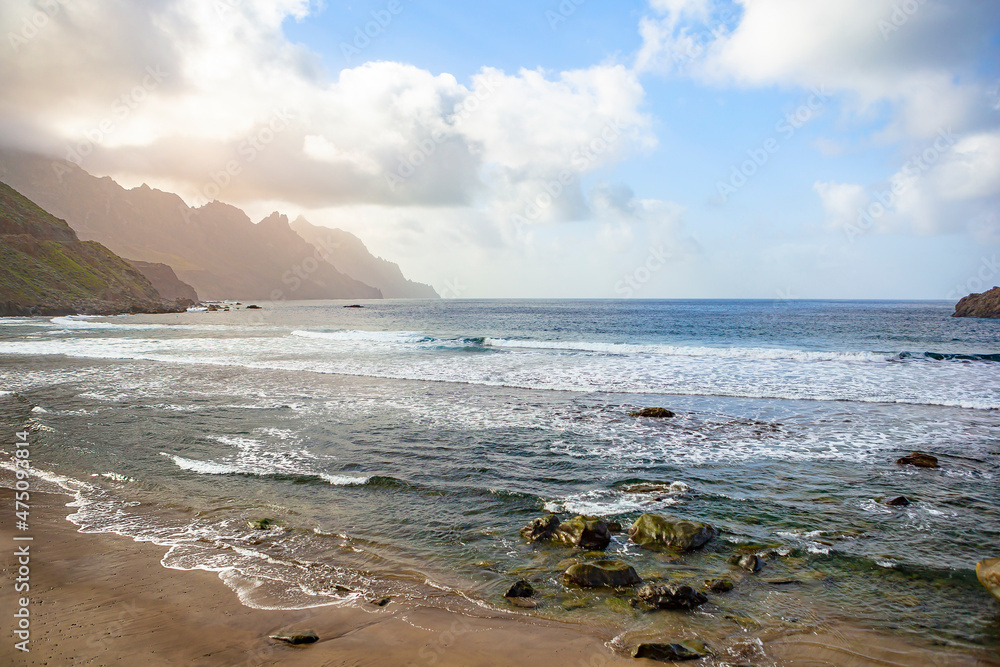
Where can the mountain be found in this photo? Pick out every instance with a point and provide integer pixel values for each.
(346, 252)
(165, 281)
(46, 270)
(215, 248)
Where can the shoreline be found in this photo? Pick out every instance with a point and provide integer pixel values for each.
(101, 598)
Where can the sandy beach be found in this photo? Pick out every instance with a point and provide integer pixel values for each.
(106, 600)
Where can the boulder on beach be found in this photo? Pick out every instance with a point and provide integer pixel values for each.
(655, 413)
(986, 304)
(585, 532)
(988, 572)
(918, 459)
(653, 530)
(666, 652)
(296, 638)
(671, 596)
(520, 589)
(602, 574)
(542, 528)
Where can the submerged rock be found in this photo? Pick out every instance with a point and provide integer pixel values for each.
(899, 501)
(542, 528)
(671, 596)
(656, 487)
(988, 572)
(381, 602)
(262, 524)
(748, 562)
(520, 589)
(653, 530)
(666, 652)
(655, 413)
(719, 585)
(296, 638)
(584, 532)
(602, 573)
(918, 459)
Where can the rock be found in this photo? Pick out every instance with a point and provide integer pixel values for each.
(354, 305)
(296, 638)
(671, 596)
(899, 501)
(614, 527)
(212, 308)
(656, 487)
(986, 304)
(381, 602)
(602, 573)
(524, 603)
(262, 524)
(666, 652)
(253, 306)
(653, 530)
(655, 413)
(520, 589)
(719, 585)
(918, 459)
(542, 528)
(748, 562)
(584, 532)
(988, 572)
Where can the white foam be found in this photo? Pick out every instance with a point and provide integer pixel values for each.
(344, 480)
(204, 467)
(692, 351)
(363, 336)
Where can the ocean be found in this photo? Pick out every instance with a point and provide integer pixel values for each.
(398, 449)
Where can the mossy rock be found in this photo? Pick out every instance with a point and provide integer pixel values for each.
(542, 528)
(602, 574)
(585, 532)
(653, 530)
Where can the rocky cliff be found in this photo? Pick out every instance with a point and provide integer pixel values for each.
(986, 304)
(347, 252)
(165, 281)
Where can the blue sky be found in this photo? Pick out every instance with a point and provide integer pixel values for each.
(502, 95)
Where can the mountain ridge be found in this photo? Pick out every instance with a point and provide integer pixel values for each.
(215, 248)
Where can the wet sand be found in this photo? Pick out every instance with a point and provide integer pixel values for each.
(106, 600)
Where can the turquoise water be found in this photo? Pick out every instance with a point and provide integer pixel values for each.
(401, 447)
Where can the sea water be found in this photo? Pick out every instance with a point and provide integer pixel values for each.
(399, 447)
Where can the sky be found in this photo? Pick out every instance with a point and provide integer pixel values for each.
(773, 149)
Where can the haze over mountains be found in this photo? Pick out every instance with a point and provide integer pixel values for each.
(216, 248)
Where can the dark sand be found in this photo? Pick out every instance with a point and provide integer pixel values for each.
(106, 600)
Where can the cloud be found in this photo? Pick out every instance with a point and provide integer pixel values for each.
(951, 185)
(237, 112)
(921, 55)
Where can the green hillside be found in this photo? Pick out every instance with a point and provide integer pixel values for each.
(46, 270)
